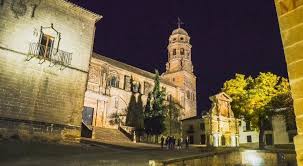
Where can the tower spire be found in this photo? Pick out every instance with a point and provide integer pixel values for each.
(179, 22)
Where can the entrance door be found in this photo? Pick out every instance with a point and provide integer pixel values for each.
(203, 139)
(87, 121)
(191, 139)
(223, 140)
(268, 139)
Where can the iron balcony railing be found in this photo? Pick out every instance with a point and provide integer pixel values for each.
(55, 55)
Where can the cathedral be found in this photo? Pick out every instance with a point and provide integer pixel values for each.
(111, 84)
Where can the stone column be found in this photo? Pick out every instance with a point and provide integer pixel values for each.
(290, 16)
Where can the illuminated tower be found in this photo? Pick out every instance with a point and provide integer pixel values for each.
(179, 70)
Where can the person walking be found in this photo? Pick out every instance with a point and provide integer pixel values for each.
(167, 142)
(179, 144)
(162, 142)
(187, 142)
(173, 142)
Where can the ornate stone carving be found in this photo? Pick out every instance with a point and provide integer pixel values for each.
(19, 7)
(147, 88)
(94, 74)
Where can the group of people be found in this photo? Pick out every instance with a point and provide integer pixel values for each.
(171, 142)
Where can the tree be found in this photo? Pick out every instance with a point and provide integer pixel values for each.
(154, 117)
(253, 98)
(237, 89)
(148, 115)
(139, 115)
(172, 119)
(131, 112)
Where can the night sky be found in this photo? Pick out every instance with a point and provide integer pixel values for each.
(228, 37)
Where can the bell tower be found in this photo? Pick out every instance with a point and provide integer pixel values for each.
(179, 70)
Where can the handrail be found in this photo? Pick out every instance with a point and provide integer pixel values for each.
(55, 55)
(128, 134)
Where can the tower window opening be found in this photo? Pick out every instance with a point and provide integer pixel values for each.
(182, 51)
(174, 52)
(182, 38)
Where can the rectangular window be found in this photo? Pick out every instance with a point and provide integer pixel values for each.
(174, 52)
(182, 51)
(249, 138)
(248, 126)
(46, 46)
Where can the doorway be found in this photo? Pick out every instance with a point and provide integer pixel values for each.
(87, 121)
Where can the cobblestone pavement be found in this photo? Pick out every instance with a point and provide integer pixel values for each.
(16, 153)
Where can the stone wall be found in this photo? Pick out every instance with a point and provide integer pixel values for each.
(290, 16)
(38, 97)
(233, 157)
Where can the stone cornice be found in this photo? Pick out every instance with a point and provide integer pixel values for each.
(77, 9)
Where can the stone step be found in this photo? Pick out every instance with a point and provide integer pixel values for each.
(110, 135)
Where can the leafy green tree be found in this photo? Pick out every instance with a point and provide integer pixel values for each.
(148, 115)
(172, 119)
(154, 116)
(253, 98)
(237, 89)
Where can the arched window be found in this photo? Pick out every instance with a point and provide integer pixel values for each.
(113, 82)
(174, 52)
(182, 51)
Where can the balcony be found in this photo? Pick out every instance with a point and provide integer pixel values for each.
(54, 55)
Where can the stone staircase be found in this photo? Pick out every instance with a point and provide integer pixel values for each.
(110, 136)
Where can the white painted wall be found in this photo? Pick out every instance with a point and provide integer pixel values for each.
(243, 134)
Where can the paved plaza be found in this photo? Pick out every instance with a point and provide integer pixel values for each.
(32, 153)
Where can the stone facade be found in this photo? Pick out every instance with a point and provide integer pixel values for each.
(290, 16)
(179, 70)
(224, 126)
(109, 89)
(217, 128)
(111, 85)
(45, 49)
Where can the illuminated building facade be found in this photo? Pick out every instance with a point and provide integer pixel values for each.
(45, 49)
(217, 128)
(111, 84)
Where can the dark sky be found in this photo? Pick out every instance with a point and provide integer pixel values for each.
(228, 37)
